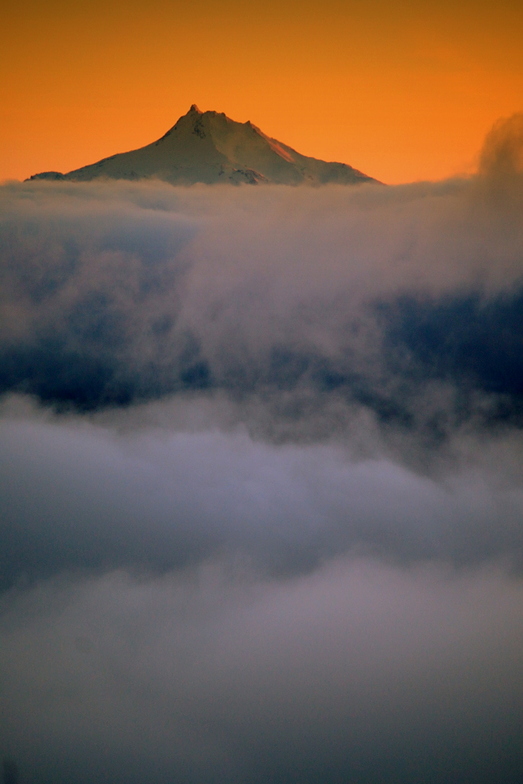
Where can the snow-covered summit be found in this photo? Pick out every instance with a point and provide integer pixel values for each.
(209, 147)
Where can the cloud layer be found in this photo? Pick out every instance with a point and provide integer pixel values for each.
(260, 473)
(405, 300)
(79, 496)
(356, 672)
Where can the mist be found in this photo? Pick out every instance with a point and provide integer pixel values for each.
(260, 471)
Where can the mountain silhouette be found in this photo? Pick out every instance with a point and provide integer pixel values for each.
(209, 147)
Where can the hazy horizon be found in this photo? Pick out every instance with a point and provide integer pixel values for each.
(403, 91)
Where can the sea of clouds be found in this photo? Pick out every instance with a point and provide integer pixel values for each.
(260, 476)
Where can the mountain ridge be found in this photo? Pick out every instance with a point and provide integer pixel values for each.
(209, 147)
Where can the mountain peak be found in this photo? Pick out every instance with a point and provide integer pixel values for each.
(209, 147)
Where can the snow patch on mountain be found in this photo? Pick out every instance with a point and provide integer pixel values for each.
(209, 147)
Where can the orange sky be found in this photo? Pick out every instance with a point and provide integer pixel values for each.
(402, 91)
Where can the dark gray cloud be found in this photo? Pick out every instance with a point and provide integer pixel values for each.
(260, 474)
(80, 496)
(357, 672)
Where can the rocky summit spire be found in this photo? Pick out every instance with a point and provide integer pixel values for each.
(208, 147)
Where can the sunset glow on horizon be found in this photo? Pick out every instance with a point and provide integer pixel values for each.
(260, 447)
(403, 92)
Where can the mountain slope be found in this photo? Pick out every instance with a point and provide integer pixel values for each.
(208, 147)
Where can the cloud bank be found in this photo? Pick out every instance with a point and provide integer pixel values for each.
(300, 299)
(260, 471)
(357, 672)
